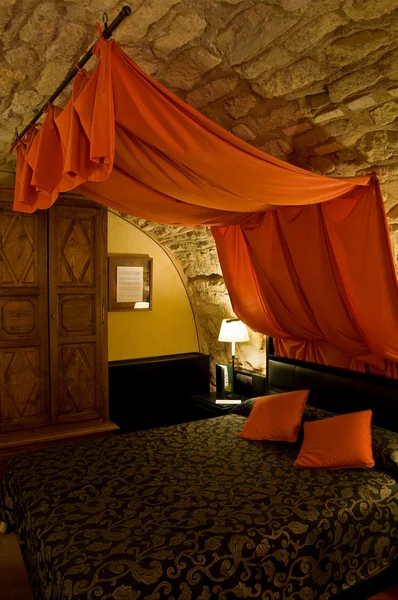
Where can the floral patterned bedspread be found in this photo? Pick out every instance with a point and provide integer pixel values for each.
(192, 512)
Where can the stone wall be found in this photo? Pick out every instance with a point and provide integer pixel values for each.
(313, 82)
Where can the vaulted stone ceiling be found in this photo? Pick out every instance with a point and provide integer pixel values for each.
(314, 82)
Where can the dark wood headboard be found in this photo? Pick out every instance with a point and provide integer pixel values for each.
(338, 390)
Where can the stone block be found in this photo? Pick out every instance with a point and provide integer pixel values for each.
(7, 128)
(244, 132)
(308, 90)
(388, 173)
(101, 5)
(285, 147)
(77, 13)
(317, 8)
(11, 120)
(390, 194)
(322, 165)
(183, 29)
(314, 31)
(290, 5)
(24, 101)
(319, 100)
(239, 106)
(21, 57)
(189, 66)
(143, 57)
(274, 58)
(353, 48)
(346, 155)
(311, 138)
(7, 83)
(302, 73)
(52, 75)
(216, 113)
(389, 65)
(209, 92)
(347, 169)
(393, 91)
(393, 212)
(297, 129)
(340, 127)
(136, 27)
(353, 83)
(328, 148)
(41, 27)
(328, 116)
(368, 9)
(6, 13)
(360, 103)
(386, 113)
(278, 148)
(351, 136)
(252, 30)
(279, 117)
(10, 28)
(378, 146)
(68, 42)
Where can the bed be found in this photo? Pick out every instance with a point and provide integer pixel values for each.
(193, 512)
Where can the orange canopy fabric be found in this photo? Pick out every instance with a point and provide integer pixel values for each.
(320, 278)
(316, 271)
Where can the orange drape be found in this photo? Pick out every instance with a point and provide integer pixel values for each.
(320, 278)
(316, 271)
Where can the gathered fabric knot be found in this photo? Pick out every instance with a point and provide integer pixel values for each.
(26, 140)
(49, 109)
(101, 51)
(101, 45)
(98, 28)
(82, 72)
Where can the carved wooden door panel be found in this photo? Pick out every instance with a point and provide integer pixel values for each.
(24, 390)
(78, 355)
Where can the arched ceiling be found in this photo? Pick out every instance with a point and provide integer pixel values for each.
(314, 82)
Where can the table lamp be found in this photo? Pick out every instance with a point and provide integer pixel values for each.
(233, 330)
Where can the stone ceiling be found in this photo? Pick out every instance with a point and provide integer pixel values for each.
(314, 82)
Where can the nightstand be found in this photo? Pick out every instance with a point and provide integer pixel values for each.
(203, 406)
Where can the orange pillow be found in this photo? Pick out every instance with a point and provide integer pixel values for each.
(343, 442)
(277, 417)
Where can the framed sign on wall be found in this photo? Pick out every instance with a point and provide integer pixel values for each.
(130, 282)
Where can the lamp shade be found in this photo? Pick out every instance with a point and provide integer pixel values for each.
(233, 330)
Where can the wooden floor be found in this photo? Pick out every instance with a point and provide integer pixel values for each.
(14, 582)
(13, 579)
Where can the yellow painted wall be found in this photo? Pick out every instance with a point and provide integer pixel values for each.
(169, 328)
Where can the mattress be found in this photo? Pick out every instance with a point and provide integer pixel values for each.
(192, 512)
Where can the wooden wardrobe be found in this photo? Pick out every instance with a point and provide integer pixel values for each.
(53, 324)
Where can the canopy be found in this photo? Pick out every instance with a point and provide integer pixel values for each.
(306, 258)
